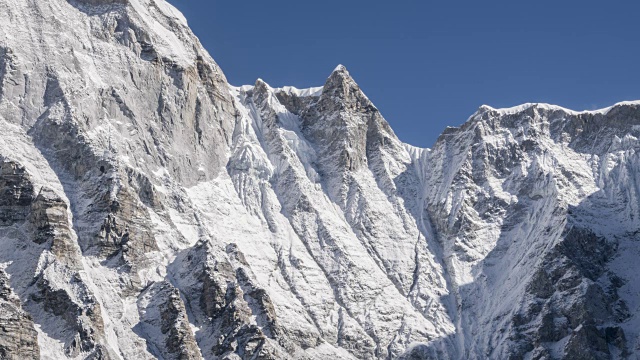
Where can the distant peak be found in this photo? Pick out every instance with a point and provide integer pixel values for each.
(340, 72)
(340, 75)
(261, 85)
(485, 112)
(340, 68)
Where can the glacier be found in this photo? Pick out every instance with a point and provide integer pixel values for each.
(151, 210)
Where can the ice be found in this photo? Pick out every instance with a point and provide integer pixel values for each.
(356, 244)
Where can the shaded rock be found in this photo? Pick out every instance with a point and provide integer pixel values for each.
(18, 337)
(165, 322)
(16, 192)
(82, 315)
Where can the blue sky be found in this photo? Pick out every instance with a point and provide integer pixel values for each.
(430, 64)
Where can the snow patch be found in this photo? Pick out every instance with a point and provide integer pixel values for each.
(313, 91)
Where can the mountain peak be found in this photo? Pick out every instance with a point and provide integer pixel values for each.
(341, 68)
(261, 85)
(341, 84)
(243, 222)
(340, 72)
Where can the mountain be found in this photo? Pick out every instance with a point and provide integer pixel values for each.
(151, 210)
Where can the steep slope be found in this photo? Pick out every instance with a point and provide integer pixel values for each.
(151, 210)
(535, 207)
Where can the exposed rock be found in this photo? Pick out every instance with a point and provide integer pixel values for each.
(165, 323)
(18, 337)
(17, 193)
(240, 316)
(49, 216)
(569, 272)
(83, 316)
(149, 209)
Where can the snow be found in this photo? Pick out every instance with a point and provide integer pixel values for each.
(166, 39)
(520, 108)
(313, 91)
(170, 11)
(340, 68)
(289, 129)
(290, 90)
(414, 248)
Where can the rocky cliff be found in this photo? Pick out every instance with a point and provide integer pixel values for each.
(149, 209)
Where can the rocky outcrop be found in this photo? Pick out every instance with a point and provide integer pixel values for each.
(338, 121)
(49, 216)
(148, 209)
(18, 337)
(165, 323)
(82, 317)
(69, 304)
(17, 193)
(571, 271)
(236, 317)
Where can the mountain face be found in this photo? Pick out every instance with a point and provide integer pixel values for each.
(149, 210)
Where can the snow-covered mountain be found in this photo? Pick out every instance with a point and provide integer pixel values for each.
(149, 210)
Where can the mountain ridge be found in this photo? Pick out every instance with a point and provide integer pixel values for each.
(152, 210)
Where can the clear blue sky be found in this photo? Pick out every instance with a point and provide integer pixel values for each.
(430, 64)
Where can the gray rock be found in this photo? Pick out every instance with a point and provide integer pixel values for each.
(18, 337)
(165, 323)
(17, 193)
(149, 209)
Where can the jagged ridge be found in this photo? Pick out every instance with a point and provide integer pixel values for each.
(151, 210)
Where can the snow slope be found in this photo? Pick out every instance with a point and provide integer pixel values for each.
(151, 210)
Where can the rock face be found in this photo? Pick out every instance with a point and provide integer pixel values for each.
(17, 193)
(148, 210)
(165, 324)
(18, 337)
